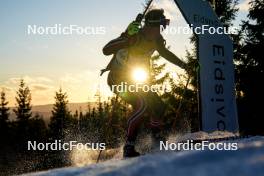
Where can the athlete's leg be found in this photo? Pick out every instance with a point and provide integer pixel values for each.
(157, 108)
(135, 118)
(139, 108)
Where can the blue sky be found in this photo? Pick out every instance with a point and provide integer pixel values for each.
(71, 62)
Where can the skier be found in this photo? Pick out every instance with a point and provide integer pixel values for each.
(133, 49)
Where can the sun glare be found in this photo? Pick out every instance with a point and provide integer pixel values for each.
(139, 75)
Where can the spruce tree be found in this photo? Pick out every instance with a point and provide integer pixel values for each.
(60, 115)
(254, 40)
(250, 71)
(4, 113)
(58, 127)
(23, 100)
(4, 130)
(225, 10)
(157, 75)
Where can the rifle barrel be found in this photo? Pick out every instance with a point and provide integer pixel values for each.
(147, 7)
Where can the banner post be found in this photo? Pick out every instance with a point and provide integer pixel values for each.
(216, 77)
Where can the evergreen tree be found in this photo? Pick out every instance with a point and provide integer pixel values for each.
(37, 128)
(157, 75)
(4, 114)
(76, 114)
(58, 127)
(23, 115)
(80, 114)
(226, 10)
(250, 71)
(172, 99)
(254, 40)
(4, 130)
(60, 115)
(23, 99)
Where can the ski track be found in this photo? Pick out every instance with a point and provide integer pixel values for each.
(248, 160)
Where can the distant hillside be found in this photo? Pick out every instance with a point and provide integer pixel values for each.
(45, 110)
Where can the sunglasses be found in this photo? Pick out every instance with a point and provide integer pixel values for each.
(163, 22)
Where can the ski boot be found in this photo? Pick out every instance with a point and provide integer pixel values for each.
(129, 151)
(157, 136)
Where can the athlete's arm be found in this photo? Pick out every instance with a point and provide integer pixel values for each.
(168, 55)
(114, 45)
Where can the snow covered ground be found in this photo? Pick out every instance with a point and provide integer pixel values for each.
(248, 160)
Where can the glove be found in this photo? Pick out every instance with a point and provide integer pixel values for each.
(139, 17)
(133, 28)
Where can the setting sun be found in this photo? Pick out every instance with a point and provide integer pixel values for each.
(139, 75)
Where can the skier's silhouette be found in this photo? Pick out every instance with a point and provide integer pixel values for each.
(133, 49)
